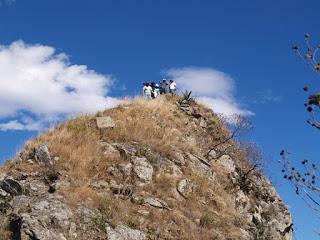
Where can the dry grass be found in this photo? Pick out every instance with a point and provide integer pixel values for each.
(79, 194)
(156, 123)
(161, 126)
(5, 234)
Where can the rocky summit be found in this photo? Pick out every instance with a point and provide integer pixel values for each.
(142, 170)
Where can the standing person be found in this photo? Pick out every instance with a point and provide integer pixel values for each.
(143, 88)
(156, 91)
(147, 91)
(152, 85)
(172, 87)
(163, 86)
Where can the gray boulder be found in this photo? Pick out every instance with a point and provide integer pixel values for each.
(122, 232)
(42, 154)
(155, 202)
(11, 186)
(142, 169)
(184, 187)
(227, 162)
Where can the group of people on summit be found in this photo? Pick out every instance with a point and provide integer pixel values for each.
(153, 90)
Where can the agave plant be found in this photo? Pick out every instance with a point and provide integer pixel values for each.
(186, 98)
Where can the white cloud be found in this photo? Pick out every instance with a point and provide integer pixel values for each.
(266, 96)
(212, 87)
(12, 125)
(8, 2)
(39, 87)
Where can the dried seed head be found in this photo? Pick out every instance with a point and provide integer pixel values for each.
(295, 47)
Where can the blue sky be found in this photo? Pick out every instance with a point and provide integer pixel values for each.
(246, 45)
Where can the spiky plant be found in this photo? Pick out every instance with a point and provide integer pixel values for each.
(186, 98)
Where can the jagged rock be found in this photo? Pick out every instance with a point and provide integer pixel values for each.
(4, 206)
(123, 190)
(242, 202)
(73, 230)
(123, 232)
(199, 164)
(11, 186)
(187, 109)
(212, 155)
(3, 194)
(126, 169)
(175, 171)
(178, 159)
(42, 154)
(85, 214)
(256, 218)
(43, 212)
(196, 113)
(108, 149)
(155, 202)
(227, 162)
(126, 150)
(184, 187)
(105, 122)
(26, 227)
(203, 123)
(142, 169)
(114, 171)
(245, 234)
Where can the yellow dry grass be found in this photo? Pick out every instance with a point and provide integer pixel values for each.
(154, 123)
(159, 125)
(5, 234)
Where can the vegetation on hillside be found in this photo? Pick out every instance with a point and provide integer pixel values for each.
(156, 130)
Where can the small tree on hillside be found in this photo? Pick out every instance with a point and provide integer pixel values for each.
(237, 126)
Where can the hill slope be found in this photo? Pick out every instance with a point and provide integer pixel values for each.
(138, 171)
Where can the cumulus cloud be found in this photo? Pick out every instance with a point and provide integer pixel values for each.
(211, 87)
(267, 96)
(7, 2)
(39, 87)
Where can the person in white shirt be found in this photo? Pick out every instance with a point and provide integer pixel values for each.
(172, 87)
(156, 91)
(147, 91)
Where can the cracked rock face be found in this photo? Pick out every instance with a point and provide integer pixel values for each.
(143, 169)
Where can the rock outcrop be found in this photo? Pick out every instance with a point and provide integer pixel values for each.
(145, 176)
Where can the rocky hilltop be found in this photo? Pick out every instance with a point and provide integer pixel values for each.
(139, 171)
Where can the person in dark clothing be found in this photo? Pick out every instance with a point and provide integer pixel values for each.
(153, 85)
(163, 86)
